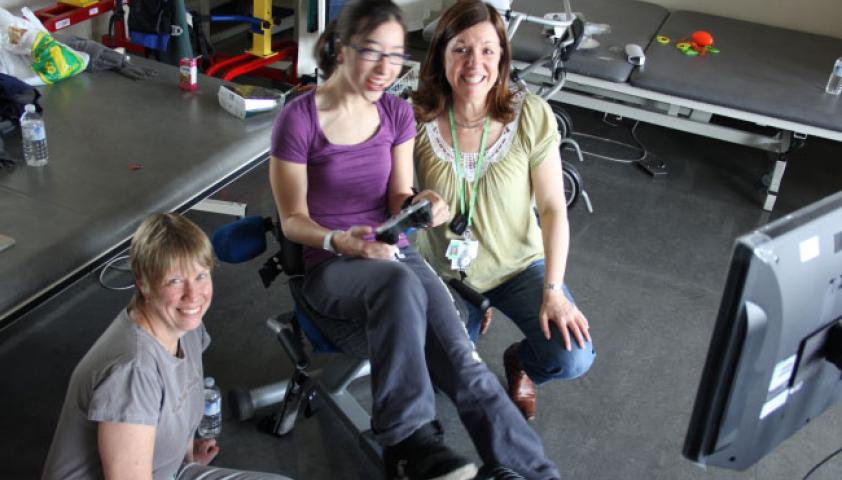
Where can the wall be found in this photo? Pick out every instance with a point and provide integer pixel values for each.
(816, 16)
(823, 17)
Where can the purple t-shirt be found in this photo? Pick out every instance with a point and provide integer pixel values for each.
(347, 184)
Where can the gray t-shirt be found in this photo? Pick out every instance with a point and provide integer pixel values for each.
(128, 377)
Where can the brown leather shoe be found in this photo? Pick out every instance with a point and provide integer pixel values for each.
(521, 388)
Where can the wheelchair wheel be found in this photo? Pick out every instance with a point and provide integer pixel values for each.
(572, 184)
(563, 120)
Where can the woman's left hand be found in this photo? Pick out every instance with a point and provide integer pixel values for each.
(556, 308)
(441, 212)
(204, 450)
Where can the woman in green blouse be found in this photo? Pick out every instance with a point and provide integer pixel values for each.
(490, 152)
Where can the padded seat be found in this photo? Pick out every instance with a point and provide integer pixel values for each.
(327, 334)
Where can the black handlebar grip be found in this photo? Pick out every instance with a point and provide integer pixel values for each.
(470, 295)
(292, 345)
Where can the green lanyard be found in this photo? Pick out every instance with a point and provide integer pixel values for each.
(458, 162)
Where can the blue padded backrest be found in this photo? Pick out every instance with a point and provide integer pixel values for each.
(240, 241)
(246, 239)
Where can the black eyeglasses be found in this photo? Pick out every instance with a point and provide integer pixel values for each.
(371, 55)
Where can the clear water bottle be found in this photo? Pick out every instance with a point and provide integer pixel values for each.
(834, 84)
(211, 424)
(34, 137)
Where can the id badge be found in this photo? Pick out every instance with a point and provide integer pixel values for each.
(454, 252)
(461, 252)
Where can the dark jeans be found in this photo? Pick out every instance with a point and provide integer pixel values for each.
(520, 299)
(414, 333)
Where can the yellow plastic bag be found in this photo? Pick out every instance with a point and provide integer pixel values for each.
(53, 61)
(30, 53)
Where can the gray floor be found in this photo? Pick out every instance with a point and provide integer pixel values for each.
(647, 268)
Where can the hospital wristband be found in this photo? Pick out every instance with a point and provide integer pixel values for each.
(328, 241)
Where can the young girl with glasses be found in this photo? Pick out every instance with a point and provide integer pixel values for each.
(341, 165)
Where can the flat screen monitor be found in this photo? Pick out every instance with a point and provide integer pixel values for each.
(773, 364)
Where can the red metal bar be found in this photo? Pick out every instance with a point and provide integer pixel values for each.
(258, 63)
(230, 61)
(248, 63)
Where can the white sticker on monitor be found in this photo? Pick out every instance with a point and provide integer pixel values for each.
(775, 403)
(809, 249)
(782, 373)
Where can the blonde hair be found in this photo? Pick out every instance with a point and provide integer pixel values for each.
(161, 242)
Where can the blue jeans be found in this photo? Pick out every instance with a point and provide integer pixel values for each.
(520, 299)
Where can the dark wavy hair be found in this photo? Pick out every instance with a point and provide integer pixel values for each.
(434, 92)
(358, 17)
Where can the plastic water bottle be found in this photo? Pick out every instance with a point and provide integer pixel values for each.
(34, 137)
(211, 424)
(834, 84)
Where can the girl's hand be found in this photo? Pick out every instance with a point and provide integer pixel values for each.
(352, 244)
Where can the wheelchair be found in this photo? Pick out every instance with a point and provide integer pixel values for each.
(307, 388)
(573, 186)
(564, 32)
(244, 240)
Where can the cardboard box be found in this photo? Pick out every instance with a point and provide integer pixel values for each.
(244, 101)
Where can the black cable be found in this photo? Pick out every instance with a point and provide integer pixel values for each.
(826, 459)
(110, 265)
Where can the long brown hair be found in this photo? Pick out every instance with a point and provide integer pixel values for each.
(358, 17)
(434, 92)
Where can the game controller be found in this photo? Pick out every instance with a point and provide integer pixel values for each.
(417, 215)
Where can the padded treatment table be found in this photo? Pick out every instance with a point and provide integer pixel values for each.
(766, 76)
(83, 206)
(766, 70)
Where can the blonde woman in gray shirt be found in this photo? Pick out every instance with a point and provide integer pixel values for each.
(136, 398)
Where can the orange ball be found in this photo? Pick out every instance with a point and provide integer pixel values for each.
(702, 38)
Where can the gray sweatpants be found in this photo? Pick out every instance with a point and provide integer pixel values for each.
(409, 317)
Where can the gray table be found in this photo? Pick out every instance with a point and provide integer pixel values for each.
(85, 204)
